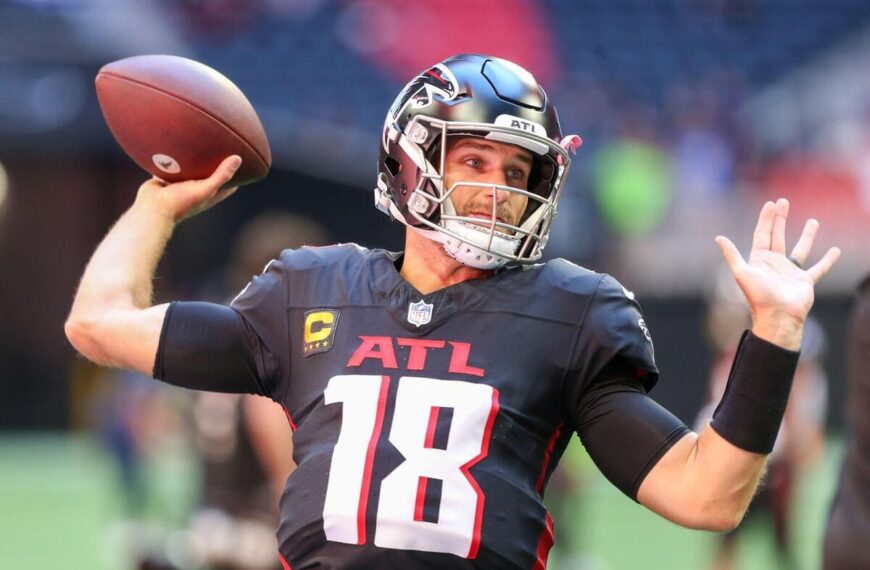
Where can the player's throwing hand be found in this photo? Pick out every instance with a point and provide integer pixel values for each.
(780, 291)
(182, 200)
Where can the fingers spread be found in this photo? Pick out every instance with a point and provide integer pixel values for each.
(761, 237)
(825, 264)
(732, 255)
(777, 235)
(802, 248)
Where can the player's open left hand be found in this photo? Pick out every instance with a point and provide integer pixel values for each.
(182, 200)
(777, 285)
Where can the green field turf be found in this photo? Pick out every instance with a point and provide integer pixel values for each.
(60, 507)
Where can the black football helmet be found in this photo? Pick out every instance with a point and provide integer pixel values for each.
(480, 96)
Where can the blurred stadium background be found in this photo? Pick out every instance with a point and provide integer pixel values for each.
(693, 112)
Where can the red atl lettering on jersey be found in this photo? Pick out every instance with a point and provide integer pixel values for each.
(377, 347)
(383, 348)
(419, 350)
(459, 360)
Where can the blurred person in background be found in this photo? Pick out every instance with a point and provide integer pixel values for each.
(240, 443)
(847, 538)
(432, 392)
(565, 497)
(143, 427)
(244, 442)
(632, 175)
(800, 442)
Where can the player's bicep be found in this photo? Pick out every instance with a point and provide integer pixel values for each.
(205, 346)
(625, 431)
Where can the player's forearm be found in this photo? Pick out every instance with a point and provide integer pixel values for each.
(725, 477)
(107, 322)
(119, 274)
(711, 477)
(112, 321)
(703, 482)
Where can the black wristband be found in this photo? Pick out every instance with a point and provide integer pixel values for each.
(752, 407)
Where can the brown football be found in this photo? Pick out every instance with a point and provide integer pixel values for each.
(178, 118)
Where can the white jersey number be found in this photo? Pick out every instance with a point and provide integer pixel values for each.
(399, 515)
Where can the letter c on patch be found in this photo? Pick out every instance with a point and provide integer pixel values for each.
(318, 326)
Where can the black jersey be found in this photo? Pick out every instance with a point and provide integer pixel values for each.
(849, 524)
(427, 426)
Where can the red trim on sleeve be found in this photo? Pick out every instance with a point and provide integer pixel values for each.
(370, 457)
(544, 545)
(289, 419)
(542, 476)
(478, 515)
(284, 564)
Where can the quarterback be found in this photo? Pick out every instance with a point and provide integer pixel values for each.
(432, 391)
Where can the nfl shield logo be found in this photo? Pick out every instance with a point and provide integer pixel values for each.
(419, 313)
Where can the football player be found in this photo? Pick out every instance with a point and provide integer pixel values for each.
(845, 544)
(432, 391)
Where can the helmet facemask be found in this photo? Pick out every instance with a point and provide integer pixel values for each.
(474, 241)
(481, 96)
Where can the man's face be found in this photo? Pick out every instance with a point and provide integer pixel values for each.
(474, 159)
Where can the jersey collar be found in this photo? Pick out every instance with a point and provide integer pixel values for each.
(398, 294)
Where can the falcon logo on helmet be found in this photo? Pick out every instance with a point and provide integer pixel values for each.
(472, 95)
(421, 91)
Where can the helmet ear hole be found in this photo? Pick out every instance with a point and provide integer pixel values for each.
(541, 176)
(546, 172)
(394, 167)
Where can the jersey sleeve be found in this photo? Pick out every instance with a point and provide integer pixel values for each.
(263, 304)
(625, 431)
(613, 331)
(206, 346)
(612, 335)
(237, 349)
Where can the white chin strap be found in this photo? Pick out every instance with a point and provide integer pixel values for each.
(472, 244)
(465, 252)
